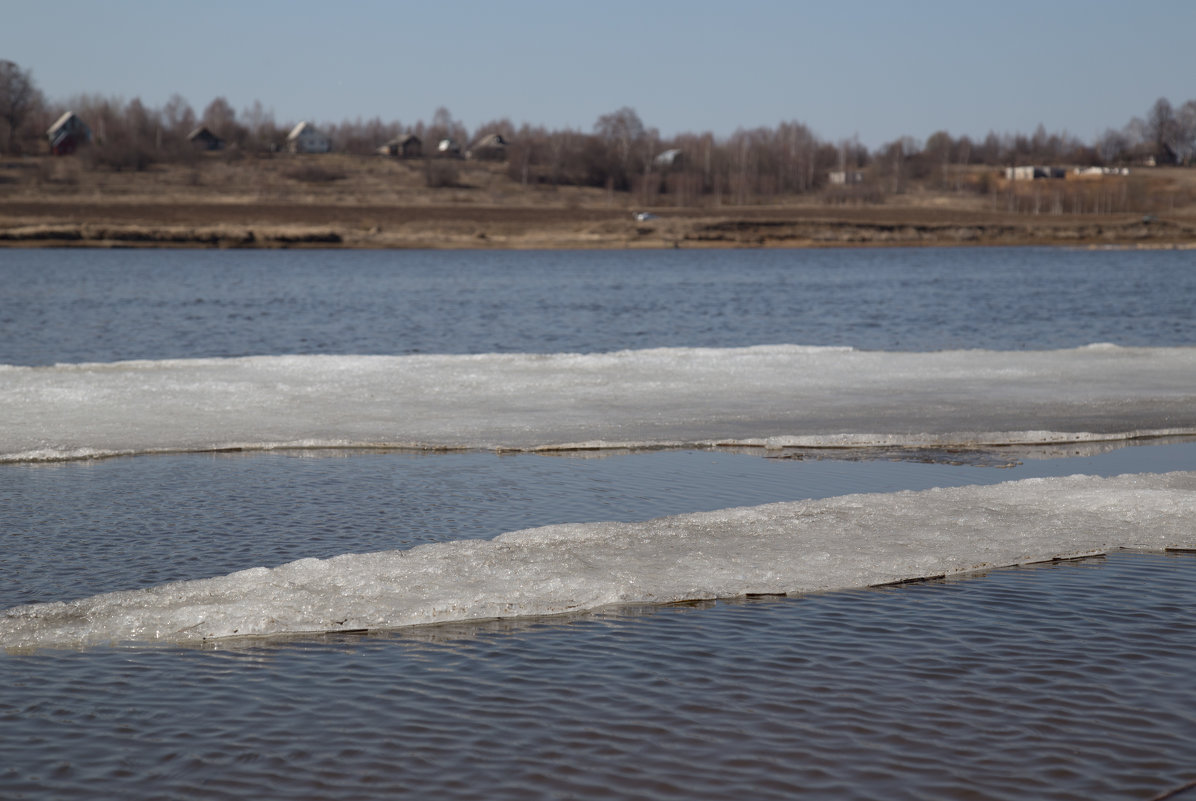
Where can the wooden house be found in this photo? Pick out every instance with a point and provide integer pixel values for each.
(204, 139)
(408, 146)
(491, 147)
(306, 138)
(67, 133)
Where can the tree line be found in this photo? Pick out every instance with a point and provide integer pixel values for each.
(620, 153)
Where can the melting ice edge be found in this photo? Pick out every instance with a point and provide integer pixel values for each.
(768, 395)
(780, 548)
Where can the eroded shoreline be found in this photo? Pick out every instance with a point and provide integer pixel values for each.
(240, 224)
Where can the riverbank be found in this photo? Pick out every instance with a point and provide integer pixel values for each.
(383, 203)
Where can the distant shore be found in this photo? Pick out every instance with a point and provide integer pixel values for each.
(381, 203)
(100, 223)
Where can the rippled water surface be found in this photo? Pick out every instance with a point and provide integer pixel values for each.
(1055, 682)
(1069, 681)
(87, 305)
(76, 529)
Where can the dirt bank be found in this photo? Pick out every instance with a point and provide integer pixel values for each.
(273, 224)
(383, 204)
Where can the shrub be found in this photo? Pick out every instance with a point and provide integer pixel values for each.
(314, 174)
(441, 173)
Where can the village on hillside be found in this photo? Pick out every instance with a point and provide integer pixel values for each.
(132, 173)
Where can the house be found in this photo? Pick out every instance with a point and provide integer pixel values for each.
(305, 138)
(204, 139)
(491, 147)
(845, 177)
(404, 147)
(67, 133)
(1099, 172)
(668, 159)
(1033, 173)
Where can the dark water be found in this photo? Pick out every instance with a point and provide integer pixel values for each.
(1057, 682)
(77, 529)
(87, 305)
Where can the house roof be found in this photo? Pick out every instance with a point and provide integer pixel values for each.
(301, 128)
(202, 132)
(63, 121)
(491, 140)
(668, 157)
(404, 139)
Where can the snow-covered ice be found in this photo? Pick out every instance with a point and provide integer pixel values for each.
(796, 547)
(771, 396)
(765, 395)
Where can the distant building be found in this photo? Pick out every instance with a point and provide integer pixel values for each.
(408, 146)
(306, 138)
(1033, 173)
(204, 139)
(67, 133)
(844, 177)
(1097, 172)
(669, 159)
(491, 147)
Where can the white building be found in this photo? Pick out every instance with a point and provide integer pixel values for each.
(1033, 173)
(305, 138)
(843, 177)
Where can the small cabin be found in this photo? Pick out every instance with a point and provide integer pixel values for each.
(844, 177)
(306, 138)
(491, 147)
(203, 139)
(448, 148)
(67, 133)
(403, 147)
(1031, 173)
(669, 159)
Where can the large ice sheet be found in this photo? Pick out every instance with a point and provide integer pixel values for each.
(766, 395)
(797, 547)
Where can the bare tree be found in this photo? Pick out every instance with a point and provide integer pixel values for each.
(991, 151)
(1185, 120)
(445, 127)
(262, 132)
(19, 97)
(1162, 128)
(142, 123)
(178, 116)
(797, 147)
(937, 153)
(891, 162)
(1112, 146)
(220, 117)
(622, 134)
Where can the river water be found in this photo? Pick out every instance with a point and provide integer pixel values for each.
(1061, 681)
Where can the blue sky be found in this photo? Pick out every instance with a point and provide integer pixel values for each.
(879, 70)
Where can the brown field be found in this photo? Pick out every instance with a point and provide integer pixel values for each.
(285, 200)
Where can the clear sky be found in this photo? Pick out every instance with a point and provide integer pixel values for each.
(879, 69)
